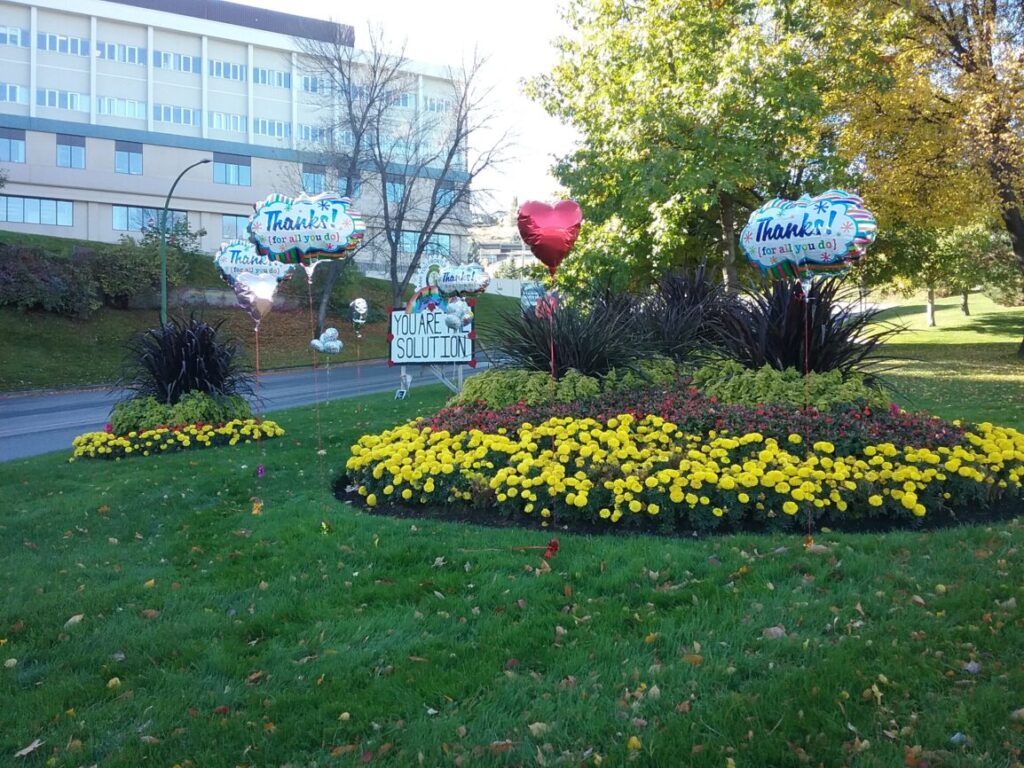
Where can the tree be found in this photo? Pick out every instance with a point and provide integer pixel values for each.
(942, 111)
(692, 113)
(413, 163)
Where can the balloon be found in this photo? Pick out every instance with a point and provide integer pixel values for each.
(328, 343)
(238, 256)
(550, 231)
(464, 279)
(826, 234)
(297, 229)
(359, 310)
(458, 316)
(255, 294)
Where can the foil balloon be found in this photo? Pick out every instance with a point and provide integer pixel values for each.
(255, 294)
(458, 316)
(546, 306)
(359, 309)
(550, 231)
(826, 234)
(303, 230)
(328, 343)
(237, 256)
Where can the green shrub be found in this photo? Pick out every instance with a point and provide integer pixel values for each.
(504, 386)
(657, 371)
(31, 278)
(574, 386)
(128, 268)
(139, 413)
(732, 383)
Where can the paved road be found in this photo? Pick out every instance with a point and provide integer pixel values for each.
(34, 423)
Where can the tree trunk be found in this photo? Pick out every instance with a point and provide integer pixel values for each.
(728, 244)
(930, 310)
(1004, 174)
(333, 272)
(964, 306)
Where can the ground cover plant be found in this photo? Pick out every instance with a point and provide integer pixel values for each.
(148, 617)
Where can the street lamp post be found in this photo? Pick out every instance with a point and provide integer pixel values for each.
(163, 242)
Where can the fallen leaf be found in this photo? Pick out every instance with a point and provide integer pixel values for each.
(114, 682)
(538, 729)
(255, 677)
(343, 749)
(461, 731)
(76, 619)
(973, 667)
(497, 747)
(222, 710)
(693, 658)
(567, 590)
(36, 744)
(773, 633)
(263, 586)
(147, 739)
(683, 707)
(149, 584)
(150, 613)
(633, 743)
(817, 549)
(1017, 714)
(918, 601)
(419, 659)
(1010, 604)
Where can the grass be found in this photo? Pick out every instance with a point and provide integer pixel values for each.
(48, 351)
(212, 636)
(965, 367)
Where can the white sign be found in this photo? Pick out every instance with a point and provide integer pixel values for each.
(238, 256)
(426, 337)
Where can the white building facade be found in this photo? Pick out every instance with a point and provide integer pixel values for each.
(103, 103)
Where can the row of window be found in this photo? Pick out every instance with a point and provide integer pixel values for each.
(126, 54)
(437, 244)
(130, 218)
(36, 210)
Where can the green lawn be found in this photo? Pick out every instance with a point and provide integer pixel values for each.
(966, 367)
(316, 634)
(42, 350)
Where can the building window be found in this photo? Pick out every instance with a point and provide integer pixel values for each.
(70, 151)
(128, 218)
(109, 105)
(177, 61)
(169, 113)
(316, 134)
(227, 70)
(394, 187)
(13, 94)
(272, 77)
(357, 187)
(315, 84)
(76, 102)
(438, 245)
(126, 54)
(235, 227)
(128, 158)
(435, 104)
(314, 179)
(277, 129)
(225, 121)
(14, 36)
(232, 169)
(36, 210)
(75, 46)
(12, 145)
(401, 99)
(446, 194)
(408, 241)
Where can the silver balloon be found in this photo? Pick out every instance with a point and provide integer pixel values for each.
(255, 294)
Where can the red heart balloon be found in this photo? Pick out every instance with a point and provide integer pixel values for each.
(550, 231)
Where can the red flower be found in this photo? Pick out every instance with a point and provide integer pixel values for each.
(552, 549)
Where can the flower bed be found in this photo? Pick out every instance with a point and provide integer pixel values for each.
(635, 468)
(105, 445)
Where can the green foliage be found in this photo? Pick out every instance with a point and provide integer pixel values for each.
(33, 279)
(197, 407)
(730, 382)
(499, 387)
(181, 357)
(130, 267)
(139, 413)
(656, 371)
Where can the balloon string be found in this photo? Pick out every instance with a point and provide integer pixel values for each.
(316, 393)
(551, 342)
(259, 412)
(807, 395)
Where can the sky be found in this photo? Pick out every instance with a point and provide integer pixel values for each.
(515, 37)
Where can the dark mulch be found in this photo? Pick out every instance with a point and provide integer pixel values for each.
(1005, 509)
